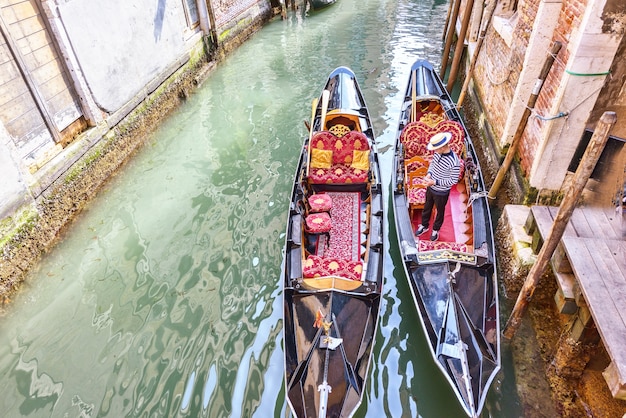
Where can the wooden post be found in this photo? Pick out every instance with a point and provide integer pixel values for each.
(449, 38)
(585, 168)
(508, 158)
(460, 45)
(479, 43)
(445, 26)
(213, 32)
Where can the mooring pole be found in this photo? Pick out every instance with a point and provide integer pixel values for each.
(460, 45)
(445, 26)
(449, 37)
(479, 43)
(585, 168)
(510, 153)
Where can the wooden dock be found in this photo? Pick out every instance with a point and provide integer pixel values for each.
(590, 266)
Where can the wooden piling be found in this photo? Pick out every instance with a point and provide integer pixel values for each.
(456, 5)
(508, 158)
(479, 43)
(460, 45)
(585, 168)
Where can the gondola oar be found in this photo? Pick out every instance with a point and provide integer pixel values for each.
(313, 109)
(414, 96)
(325, 97)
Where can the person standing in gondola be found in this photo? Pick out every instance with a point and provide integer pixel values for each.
(443, 173)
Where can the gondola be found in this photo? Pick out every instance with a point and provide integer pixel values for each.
(320, 4)
(332, 273)
(453, 278)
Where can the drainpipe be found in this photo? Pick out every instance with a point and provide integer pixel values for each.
(203, 15)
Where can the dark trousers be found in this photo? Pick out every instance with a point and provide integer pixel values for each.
(439, 201)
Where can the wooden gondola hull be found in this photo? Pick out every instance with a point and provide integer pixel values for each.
(453, 280)
(347, 365)
(320, 4)
(332, 278)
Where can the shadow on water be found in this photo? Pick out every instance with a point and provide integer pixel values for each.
(163, 297)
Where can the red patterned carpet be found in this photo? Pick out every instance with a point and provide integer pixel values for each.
(344, 234)
(454, 228)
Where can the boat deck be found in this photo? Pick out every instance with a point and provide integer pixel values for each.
(590, 261)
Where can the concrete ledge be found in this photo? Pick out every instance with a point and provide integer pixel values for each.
(515, 245)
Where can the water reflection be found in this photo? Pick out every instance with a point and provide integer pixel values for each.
(163, 298)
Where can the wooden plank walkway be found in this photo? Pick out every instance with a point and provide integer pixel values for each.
(595, 245)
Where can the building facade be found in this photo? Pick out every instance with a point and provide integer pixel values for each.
(587, 78)
(72, 67)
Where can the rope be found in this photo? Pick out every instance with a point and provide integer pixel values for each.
(478, 195)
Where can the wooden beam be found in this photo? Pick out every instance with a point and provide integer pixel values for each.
(585, 168)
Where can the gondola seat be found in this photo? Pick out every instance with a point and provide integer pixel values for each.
(338, 160)
(415, 137)
(316, 266)
(415, 187)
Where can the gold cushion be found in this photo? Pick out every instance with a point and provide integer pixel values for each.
(360, 160)
(321, 158)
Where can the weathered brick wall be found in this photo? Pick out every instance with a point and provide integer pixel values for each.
(499, 66)
(569, 19)
(228, 10)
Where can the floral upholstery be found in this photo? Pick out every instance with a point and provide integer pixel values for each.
(461, 169)
(320, 202)
(416, 195)
(415, 137)
(317, 223)
(342, 169)
(424, 161)
(315, 266)
(441, 245)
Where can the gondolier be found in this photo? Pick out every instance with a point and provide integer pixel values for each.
(443, 173)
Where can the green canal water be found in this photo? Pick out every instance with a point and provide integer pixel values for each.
(163, 297)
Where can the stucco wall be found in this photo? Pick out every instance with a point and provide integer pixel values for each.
(120, 47)
(13, 191)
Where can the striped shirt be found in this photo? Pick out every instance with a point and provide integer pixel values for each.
(445, 170)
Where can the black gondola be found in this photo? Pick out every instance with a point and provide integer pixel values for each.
(332, 272)
(452, 279)
(320, 4)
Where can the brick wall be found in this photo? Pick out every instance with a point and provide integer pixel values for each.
(499, 66)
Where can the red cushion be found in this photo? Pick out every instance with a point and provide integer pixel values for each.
(323, 140)
(320, 202)
(417, 195)
(337, 174)
(316, 266)
(415, 137)
(318, 222)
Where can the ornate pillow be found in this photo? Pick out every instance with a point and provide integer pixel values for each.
(321, 158)
(360, 160)
(320, 202)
